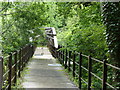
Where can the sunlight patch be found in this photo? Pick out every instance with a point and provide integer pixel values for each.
(54, 65)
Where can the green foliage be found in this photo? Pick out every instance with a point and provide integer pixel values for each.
(111, 19)
(78, 24)
(21, 24)
(81, 28)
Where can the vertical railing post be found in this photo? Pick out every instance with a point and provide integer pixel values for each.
(89, 72)
(104, 75)
(26, 59)
(25, 56)
(56, 52)
(69, 61)
(22, 58)
(31, 51)
(58, 55)
(63, 57)
(1, 72)
(15, 68)
(19, 65)
(80, 70)
(33, 48)
(66, 59)
(10, 71)
(73, 64)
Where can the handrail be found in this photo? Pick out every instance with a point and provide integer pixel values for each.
(11, 69)
(69, 61)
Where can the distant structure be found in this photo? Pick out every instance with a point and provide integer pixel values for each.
(51, 36)
(52, 40)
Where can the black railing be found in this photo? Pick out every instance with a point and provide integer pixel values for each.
(90, 72)
(52, 39)
(87, 74)
(13, 64)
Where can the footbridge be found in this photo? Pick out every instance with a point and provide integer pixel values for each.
(51, 66)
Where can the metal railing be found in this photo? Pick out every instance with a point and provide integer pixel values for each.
(86, 69)
(52, 39)
(12, 65)
(51, 36)
(86, 74)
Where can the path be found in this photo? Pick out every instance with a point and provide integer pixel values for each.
(45, 72)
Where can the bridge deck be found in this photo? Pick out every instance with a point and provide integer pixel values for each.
(45, 72)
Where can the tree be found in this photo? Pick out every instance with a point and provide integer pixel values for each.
(20, 23)
(111, 14)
